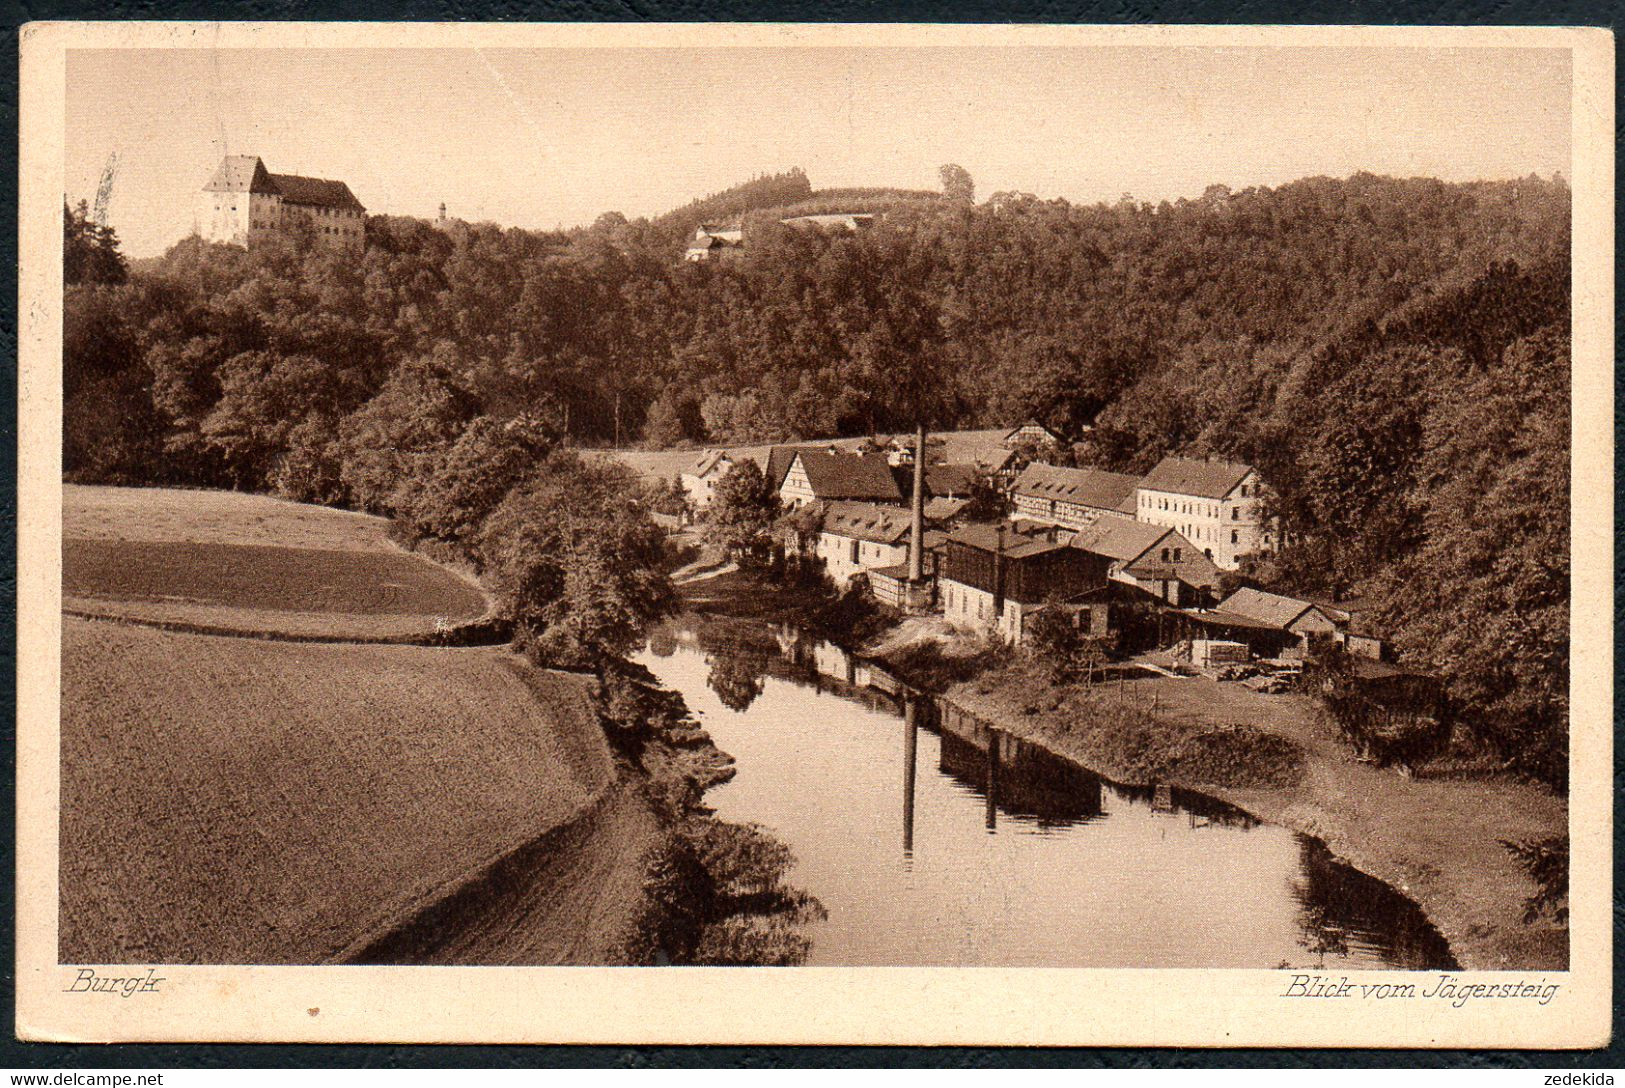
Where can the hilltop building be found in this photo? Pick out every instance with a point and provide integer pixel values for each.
(714, 244)
(244, 204)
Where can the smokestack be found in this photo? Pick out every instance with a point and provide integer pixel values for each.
(998, 572)
(916, 532)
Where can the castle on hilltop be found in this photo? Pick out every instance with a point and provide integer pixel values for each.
(244, 203)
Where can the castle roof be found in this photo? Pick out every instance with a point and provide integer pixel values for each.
(240, 174)
(315, 192)
(247, 174)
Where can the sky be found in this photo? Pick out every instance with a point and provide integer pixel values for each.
(541, 138)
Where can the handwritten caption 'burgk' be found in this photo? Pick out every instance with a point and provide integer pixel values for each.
(88, 981)
(1447, 988)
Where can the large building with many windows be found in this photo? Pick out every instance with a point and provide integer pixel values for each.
(1213, 504)
(244, 204)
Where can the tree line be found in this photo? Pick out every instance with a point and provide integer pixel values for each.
(1391, 353)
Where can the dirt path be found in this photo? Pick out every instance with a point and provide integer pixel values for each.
(568, 898)
(1436, 840)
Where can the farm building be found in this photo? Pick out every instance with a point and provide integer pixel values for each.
(1152, 558)
(993, 578)
(831, 475)
(1073, 497)
(1213, 504)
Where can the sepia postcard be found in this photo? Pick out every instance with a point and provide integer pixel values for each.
(912, 534)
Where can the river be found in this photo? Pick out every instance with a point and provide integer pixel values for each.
(935, 840)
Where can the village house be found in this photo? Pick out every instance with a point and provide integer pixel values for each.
(699, 480)
(832, 475)
(993, 578)
(244, 204)
(1214, 504)
(1152, 558)
(1073, 497)
(858, 538)
(715, 244)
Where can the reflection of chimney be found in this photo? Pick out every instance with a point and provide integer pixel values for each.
(910, 758)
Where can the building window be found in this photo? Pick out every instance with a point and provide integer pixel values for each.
(1176, 555)
(1235, 513)
(1165, 555)
(855, 550)
(1235, 536)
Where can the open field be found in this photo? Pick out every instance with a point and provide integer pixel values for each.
(664, 465)
(214, 517)
(250, 564)
(231, 800)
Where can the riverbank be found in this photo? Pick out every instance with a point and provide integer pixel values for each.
(1436, 840)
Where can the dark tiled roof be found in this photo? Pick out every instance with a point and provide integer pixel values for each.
(841, 475)
(1086, 486)
(315, 192)
(1205, 479)
(779, 460)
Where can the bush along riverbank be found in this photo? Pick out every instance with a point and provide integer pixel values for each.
(1457, 846)
(713, 892)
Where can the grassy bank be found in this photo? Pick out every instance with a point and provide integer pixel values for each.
(1437, 840)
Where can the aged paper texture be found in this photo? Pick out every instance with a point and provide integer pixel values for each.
(281, 778)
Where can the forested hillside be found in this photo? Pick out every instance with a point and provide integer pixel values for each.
(1392, 354)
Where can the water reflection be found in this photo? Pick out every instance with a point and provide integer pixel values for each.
(1008, 854)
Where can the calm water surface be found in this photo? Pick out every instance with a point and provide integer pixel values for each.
(934, 840)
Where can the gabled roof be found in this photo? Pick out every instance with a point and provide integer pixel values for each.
(941, 480)
(779, 460)
(1119, 539)
(841, 475)
(1016, 545)
(1270, 608)
(709, 460)
(1031, 424)
(1204, 479)
(315, 192)
(240, 174)
(1085, 486)
(866, 521)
